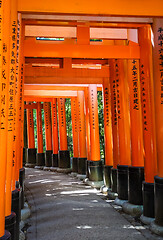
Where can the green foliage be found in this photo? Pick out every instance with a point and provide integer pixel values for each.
(101, 121)
(69, 126)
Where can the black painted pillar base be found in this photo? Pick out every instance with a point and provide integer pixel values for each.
(10, 225)
(114, 180)
(16, 207)
(75, 164)
(158, 189)
(54, 160)
(148, 199)
(82, 166)
(135, 179)
(48, 158)
(63, 159)
(6, 236)
(95, 171)
(40, 159)
(21, 181)
(122, 182)
(31, 157)
(107, 176)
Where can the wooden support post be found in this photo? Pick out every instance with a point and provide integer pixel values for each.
(40, 156)
(48, 134)
(54, 132)
(31, 151)
(11, 220)
(147, 94)
(108, 133)
(64, 155)
(123, 128)
(74, 117)
(115, 136)
(136, 171)
(95, 164)
(87, 119)
(82, 134)
(4, 66)
(158, 88)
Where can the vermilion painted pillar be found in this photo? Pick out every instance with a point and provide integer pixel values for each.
(123, 128)
(55, 133)
(95, 170)
(147, 92)
(48, 134)
(114, 111)
(86, 95)
(40, 156)
(158, 88)
(63, 154)
(31, 151)
(11, 137)
(74, 117)
(107, 132)
(4, 65)
(82, 134)
(136, 171)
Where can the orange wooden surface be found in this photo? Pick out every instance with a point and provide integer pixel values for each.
(35, 48)
(94, 126)
(87, 120)
(107, 123)
(147, 92)
(4, 31)
(30, 129)
(54, 125)
(11, 107)
(123, 112)
(118, 8)
(158, 88)
(39, 129)
(137, 148)
(74, 117)
(114, 112)
(81, 125)
(62, 124)
(48, 127)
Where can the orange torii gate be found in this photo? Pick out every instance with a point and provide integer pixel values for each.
(83, 49)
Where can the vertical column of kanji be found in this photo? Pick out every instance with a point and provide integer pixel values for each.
(147, 92)
(94, 164)
(48, 135)
(158, 88)
(82, 134)
(9, 198)
(20, 142)
(87, 119)
(114, 112)
(74, 118)
(136, 171)
(63, 154)
(31, 151)
(4, 66)
(108, 133)
(123, 128)
(54, 132)
(18, 171)
(40, 156)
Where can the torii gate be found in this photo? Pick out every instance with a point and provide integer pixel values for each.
(97, 16)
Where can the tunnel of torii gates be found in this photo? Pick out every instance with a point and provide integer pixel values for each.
(50, 52)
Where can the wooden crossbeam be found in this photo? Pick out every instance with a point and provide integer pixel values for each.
(50, 49)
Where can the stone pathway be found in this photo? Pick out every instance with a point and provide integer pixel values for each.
(64, 208)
